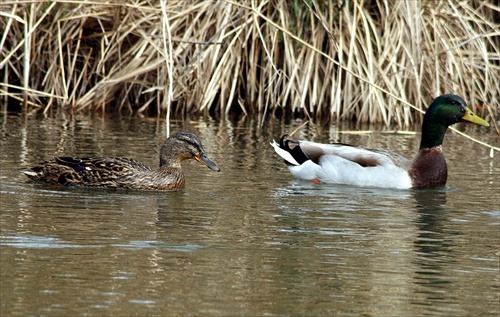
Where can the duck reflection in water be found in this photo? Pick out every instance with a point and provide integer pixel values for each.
(434, 244)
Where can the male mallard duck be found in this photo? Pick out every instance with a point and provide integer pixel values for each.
(116, 172)
(346, 164)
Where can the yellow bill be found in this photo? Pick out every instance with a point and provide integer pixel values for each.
(472, 117)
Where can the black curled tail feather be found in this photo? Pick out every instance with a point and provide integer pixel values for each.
(295, 150)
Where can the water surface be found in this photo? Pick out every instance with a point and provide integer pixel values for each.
(249, 240)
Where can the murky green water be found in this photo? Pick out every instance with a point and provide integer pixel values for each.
(249, 240)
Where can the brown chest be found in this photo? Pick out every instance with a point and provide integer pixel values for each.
(429, 169)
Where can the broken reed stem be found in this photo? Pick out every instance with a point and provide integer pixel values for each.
(167, 37)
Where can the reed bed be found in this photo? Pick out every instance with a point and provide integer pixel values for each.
(370, 61)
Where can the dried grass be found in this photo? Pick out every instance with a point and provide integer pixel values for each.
(365, 60)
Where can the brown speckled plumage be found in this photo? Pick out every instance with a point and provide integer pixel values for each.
(115, 172)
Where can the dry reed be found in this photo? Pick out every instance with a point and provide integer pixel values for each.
(357, 60)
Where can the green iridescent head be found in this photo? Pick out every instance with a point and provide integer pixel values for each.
(444, 111)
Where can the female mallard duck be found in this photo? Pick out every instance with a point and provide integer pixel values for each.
(345, 164)
(116, 172)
